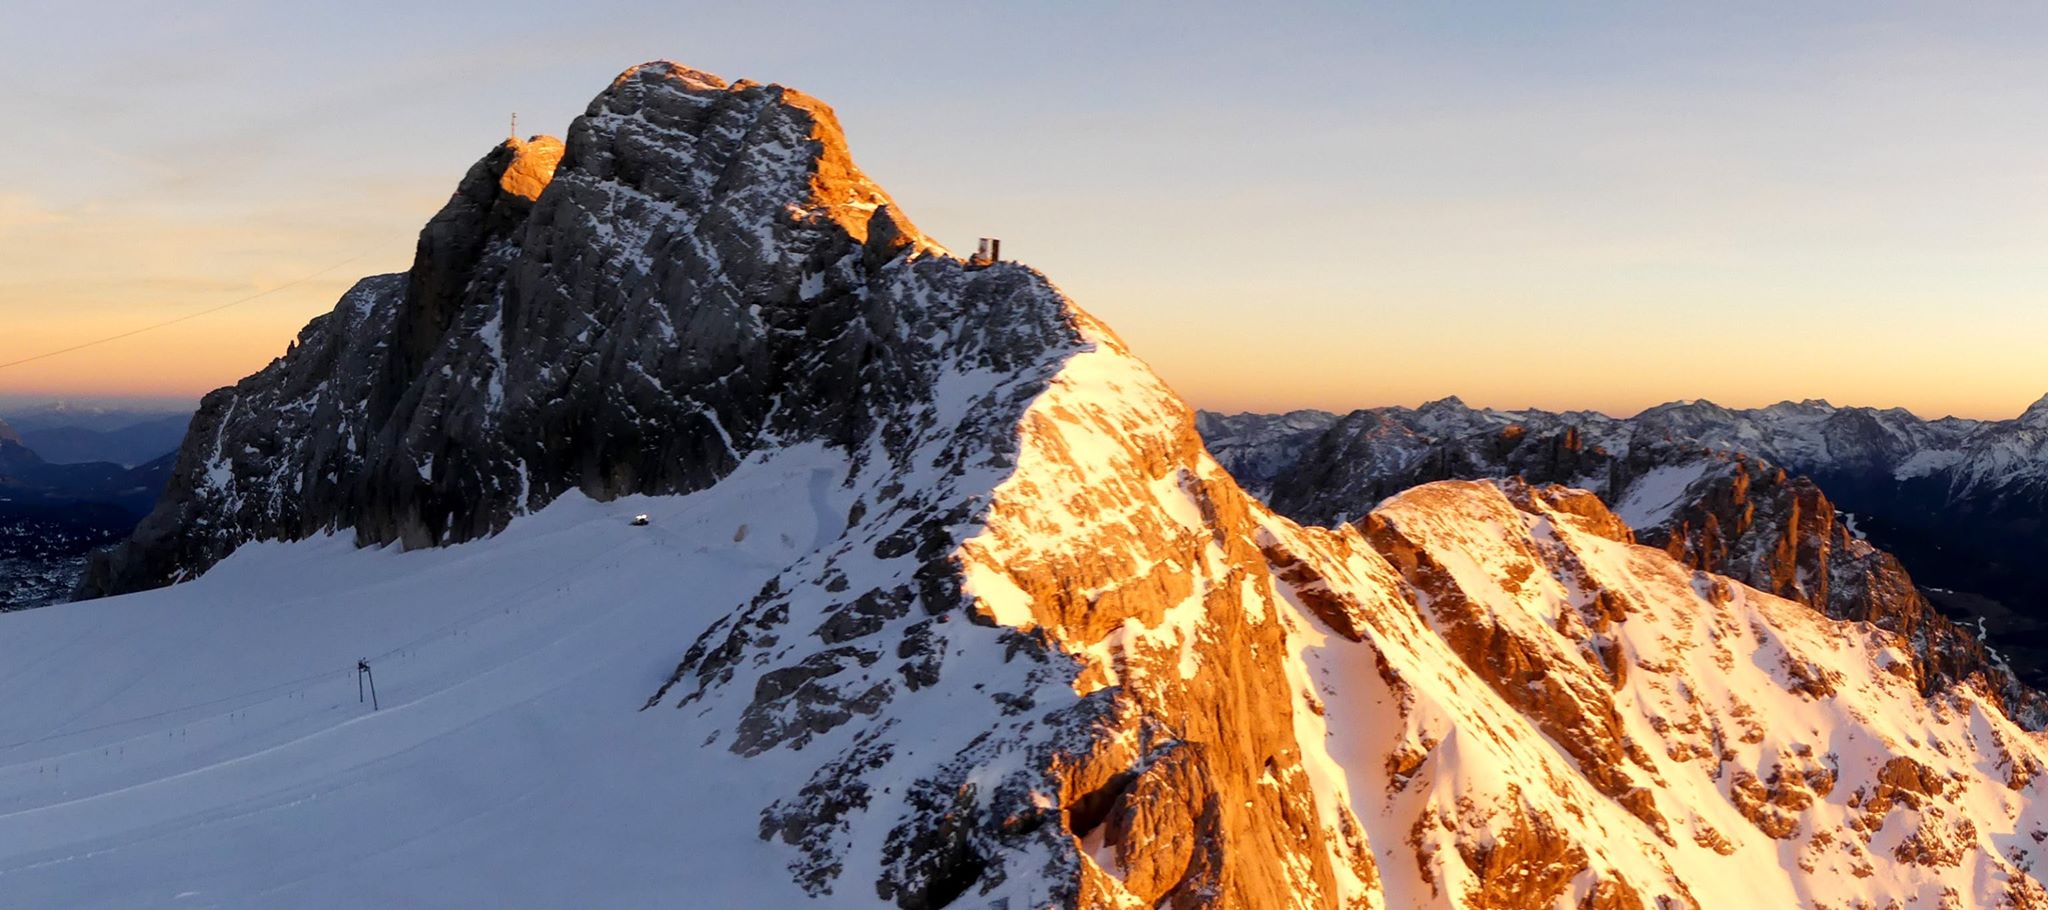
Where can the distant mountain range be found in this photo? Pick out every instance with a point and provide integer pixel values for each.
(129, 445)
(55, 510)
(65, 433)
(31, 414)
(1962, 503)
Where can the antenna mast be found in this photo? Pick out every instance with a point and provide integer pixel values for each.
(514, 134)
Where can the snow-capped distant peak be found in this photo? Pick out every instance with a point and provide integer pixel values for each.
(2036, 414)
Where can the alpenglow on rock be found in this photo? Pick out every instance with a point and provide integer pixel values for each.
(1043, 650)
(1723, 510)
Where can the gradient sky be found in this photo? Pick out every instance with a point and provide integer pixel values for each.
(1327, 206)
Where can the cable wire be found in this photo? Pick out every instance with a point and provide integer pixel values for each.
(170, 322)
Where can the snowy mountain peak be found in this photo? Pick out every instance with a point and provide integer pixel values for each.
(2036, 414)
(816, 178)
(1808, 405)
(698, 271)
(939, 601)
(690, 77)
(1695, 408)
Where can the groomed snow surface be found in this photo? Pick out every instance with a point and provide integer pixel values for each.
(202, 746)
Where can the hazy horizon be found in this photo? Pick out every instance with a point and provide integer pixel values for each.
(1277, 209)
(175, 403)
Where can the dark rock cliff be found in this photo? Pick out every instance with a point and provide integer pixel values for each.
(697, 271)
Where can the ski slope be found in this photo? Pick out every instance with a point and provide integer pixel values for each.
(203, 746)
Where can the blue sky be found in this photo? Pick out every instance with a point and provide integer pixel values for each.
(1311, 205)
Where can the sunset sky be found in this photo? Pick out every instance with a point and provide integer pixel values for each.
(1316, 207)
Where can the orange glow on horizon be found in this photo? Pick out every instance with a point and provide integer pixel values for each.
(1631, 208)
(185, 360)
(191, 358)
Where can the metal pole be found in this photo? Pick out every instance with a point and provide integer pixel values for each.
(363, 670)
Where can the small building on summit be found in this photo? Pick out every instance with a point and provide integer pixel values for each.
(987, 254)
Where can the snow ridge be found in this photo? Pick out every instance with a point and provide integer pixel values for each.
(1717, 509)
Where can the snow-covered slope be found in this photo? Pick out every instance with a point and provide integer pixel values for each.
(1566, 717)
(1485, 699)
(1690, 480)
(203, 745)
(943, 604)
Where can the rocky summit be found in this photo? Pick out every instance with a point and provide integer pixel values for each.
(1011, 636)
(695, 274)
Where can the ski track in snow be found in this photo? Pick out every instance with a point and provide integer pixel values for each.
(205, 746)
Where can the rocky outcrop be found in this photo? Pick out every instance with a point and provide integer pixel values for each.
(1646, 711)
(1724, 512)
(1110, 569)
(1781, 534)
(641, 325)
(1958, 501)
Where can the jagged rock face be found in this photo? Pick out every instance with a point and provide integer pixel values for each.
(1256, 448)
(1138, 750)
(1054, 655)
(1781, 534)
(695, 281)
(1709, 718)
(1960, 501)
(1474, 697)
(1723, 512)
